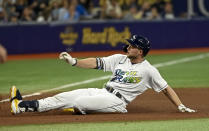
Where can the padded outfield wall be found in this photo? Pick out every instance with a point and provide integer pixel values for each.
(101, 36)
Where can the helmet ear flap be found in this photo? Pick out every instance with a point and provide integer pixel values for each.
(125, 48)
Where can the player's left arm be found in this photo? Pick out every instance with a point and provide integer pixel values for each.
(173, 97)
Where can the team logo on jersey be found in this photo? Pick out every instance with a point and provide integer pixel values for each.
(126, 76)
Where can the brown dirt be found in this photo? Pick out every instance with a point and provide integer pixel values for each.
(148, 106)
(103, 53)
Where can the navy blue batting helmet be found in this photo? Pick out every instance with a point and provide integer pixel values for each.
(140, 42)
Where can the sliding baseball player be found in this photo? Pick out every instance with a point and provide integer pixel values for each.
(132, 75)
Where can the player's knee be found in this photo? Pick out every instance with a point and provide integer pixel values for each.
(79, 105)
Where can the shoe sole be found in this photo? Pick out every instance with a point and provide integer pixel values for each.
(15, 102)
(14, 106)
(13, 91)
(69, 110)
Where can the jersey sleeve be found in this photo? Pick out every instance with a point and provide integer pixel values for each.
(110, 62)
(157, 82)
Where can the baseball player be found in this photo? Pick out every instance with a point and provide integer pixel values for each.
(132, 76)
(3, 54)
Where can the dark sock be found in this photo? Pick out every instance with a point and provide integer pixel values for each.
(29, 105)
(18, 96)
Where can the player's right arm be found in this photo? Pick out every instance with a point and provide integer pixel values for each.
(83, 63)
(87, 63)
(104, 63)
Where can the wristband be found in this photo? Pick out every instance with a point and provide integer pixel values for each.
(75, 62)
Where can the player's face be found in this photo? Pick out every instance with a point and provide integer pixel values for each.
(133, 52)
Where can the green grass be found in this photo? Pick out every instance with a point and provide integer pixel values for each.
(189, 74)
(35, 75)
(173, 125)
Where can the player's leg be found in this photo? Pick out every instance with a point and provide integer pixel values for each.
(18, 105)
(85, 100)
(61, 100)
(101, 101)
(58, 101)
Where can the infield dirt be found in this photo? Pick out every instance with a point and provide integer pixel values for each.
(148, 106)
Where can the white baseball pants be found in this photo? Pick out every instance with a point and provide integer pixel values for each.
(89, 100)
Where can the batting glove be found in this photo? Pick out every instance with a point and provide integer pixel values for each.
(183, 108)
(68, 58)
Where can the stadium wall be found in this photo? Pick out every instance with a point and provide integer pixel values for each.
(102, 36)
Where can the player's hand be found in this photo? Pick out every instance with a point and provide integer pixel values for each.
(183, 108)
(68, 58)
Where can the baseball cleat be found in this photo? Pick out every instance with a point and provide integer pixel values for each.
(74, 111)
(69, 110)
(15, 99)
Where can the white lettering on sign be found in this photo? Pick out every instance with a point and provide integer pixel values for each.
(201, 7)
